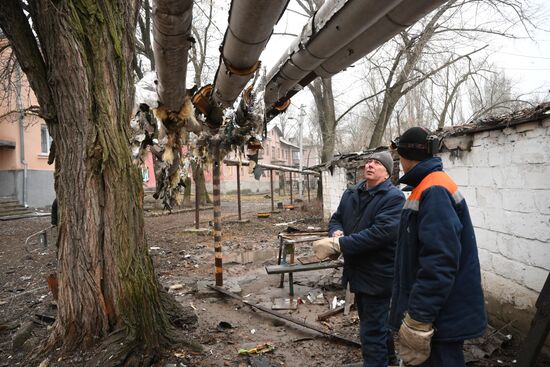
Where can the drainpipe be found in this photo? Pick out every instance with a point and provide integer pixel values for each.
(19, 104)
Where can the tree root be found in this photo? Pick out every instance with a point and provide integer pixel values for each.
(122, 348)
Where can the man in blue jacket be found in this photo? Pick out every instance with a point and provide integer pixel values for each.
(364, 230)
(437, 300)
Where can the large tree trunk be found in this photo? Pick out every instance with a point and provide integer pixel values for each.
(107, 286)
(324, 101)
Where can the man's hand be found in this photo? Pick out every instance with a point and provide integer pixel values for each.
(413, 343)
(338, 233)
(327, 248)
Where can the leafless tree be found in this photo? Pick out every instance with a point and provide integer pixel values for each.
(422, 76)
(432, 48)
(144, 47)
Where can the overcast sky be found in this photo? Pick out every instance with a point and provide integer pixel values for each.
(525, 61)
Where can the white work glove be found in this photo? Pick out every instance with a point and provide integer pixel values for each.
(327, 248)
(413, 342)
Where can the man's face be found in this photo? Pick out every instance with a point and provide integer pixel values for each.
(375, 171)
(407, 164)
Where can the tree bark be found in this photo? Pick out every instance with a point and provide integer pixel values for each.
(107, 286)
(324, 101)
(412, 49)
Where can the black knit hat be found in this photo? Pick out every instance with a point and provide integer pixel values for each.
(413, 144)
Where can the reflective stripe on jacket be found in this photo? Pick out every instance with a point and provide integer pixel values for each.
(437, 273)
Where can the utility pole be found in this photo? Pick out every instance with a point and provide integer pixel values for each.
(301, 148)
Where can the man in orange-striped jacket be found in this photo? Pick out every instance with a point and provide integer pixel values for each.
(437, 299)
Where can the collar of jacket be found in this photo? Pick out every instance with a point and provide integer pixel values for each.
(381, 187)
(421, 170)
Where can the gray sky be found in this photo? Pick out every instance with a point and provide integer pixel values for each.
(525, 61)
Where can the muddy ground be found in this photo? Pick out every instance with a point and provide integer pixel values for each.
(182, 260)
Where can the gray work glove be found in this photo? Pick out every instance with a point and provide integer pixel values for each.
(413, 343)
(327, 248)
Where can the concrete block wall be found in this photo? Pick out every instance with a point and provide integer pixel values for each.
(334, 186)
(505, 179)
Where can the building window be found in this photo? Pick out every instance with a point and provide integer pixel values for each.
(273, 152)
(145, 173)
(45, 139)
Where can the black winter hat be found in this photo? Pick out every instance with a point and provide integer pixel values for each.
(413, 144)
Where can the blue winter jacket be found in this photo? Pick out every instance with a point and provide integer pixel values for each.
(369, 219)
(437, 275)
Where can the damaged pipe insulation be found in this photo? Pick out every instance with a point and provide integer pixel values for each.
(403, 16)
(250, 26)
(333, 25)
(171, 43)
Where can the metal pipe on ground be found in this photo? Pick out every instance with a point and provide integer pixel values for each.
(288, 318)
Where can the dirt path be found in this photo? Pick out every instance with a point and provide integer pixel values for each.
(181, 261)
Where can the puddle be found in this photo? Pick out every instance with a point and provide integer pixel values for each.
(251, 256)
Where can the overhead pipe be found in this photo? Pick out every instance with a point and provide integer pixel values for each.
(403, 16)
(171, 43)
(250, 26)
(333, 25)
(400, 17)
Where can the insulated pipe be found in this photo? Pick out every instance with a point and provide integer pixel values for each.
(250, 26)
(403, 16)
(335, 24)
(171, 43)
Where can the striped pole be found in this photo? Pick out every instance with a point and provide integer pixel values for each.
(239, 191)
(197, 197)
(217, 223)
(271, 188)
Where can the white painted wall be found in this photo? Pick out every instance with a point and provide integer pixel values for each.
(505, 179)
(333, 187)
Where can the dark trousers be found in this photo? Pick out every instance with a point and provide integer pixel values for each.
(446, 355)
(373, 329)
